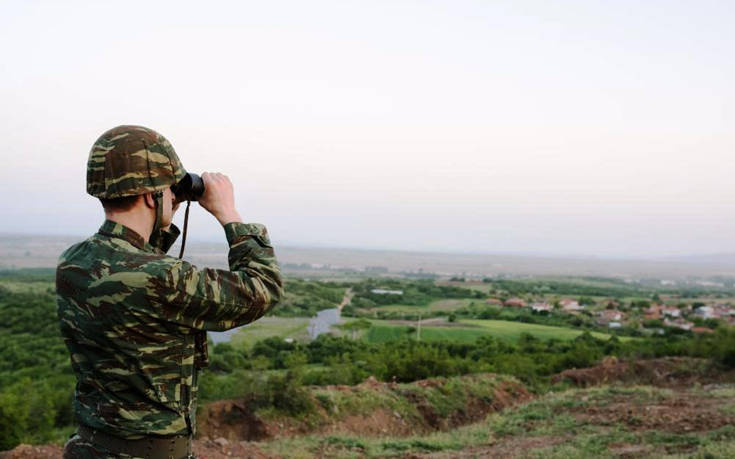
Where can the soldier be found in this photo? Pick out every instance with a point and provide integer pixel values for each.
(135, 319)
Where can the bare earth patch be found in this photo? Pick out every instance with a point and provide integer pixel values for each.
(665, 372)
(681, 413)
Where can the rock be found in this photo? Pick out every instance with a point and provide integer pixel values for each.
(222, 441)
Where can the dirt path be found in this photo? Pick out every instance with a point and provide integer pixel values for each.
(347, 299)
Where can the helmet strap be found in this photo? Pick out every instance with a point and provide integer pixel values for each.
(186, 226)
(156, 232)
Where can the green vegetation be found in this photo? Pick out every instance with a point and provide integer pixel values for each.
(469, 330)
(557, 425)
(270, 327)
(412, 293)
(333, 360)
(305, 299)
(513, 330)
(36, 383)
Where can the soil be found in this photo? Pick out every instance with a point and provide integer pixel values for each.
(204, 449)
(23, 451)
(683, 413)
(232, 419)
(680, 412)
(665, 372)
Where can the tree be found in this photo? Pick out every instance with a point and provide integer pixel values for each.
(356, 326)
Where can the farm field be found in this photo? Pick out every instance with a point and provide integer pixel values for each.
(470, 330)
(268, 327)
(512, 330)
(437, 305)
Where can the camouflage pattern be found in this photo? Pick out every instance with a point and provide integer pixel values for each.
(78, 448)
(130, 161)
(131, 317)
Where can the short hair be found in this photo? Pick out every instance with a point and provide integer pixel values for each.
(119, 204)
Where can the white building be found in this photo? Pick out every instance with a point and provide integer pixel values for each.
(705, 312)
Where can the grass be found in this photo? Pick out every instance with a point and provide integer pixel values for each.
(434, 306)
(383, 331)
(512, 330)
(544, 428)
(267, 327)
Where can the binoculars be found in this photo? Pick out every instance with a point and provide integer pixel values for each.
(189, 188)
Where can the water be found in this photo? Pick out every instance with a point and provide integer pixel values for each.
(223, 337)
(323, 322)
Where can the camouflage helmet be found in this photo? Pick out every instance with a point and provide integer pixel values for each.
(130, 161)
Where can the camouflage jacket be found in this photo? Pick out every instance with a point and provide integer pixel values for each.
(132, 316)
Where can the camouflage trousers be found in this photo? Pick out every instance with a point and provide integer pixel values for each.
(78, 448)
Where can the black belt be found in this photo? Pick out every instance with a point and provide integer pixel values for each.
(178, 447)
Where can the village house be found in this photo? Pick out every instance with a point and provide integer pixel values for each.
(705, 312)
(671, 312)
(702, 330)
(653, 312)
(679, 323)
(610, 316)
(515, 303)
(723, 311)
(570, 305)
(541, 307)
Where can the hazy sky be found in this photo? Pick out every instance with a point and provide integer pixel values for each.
(570, 127)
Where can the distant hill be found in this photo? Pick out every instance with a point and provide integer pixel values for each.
(21, 251)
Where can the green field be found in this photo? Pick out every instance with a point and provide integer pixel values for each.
(512, 330)
(382, 331)
(437, 305)
(267, 327)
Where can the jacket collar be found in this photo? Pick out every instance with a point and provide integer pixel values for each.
(117, 230)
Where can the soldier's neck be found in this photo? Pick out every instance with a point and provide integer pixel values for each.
(138, 220)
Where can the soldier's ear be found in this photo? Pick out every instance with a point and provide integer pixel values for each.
(149, 200)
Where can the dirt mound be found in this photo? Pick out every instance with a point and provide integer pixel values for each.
(33, 452)
(210, 449)
(232, 420)
(372, 408)
(426, 402)
(665, 372)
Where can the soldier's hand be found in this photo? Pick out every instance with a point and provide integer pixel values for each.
(219, 197)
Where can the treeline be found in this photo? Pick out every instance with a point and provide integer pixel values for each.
(593, 286)
(414, 292)
(331, 360)
(306, 298)
(596, 287)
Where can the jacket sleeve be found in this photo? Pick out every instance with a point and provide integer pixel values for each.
(217, 299)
